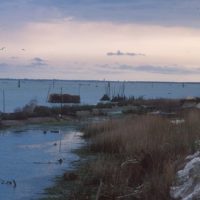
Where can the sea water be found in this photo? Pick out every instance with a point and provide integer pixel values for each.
(29, 155)
(16, 96)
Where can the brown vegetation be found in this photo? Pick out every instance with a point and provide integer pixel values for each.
(137, 156)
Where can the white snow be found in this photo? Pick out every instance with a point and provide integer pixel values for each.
(190, 98)
(187, 185)
(178, 121)
(195, 155)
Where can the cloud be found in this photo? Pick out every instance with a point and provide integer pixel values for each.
(14, 57)
(3, 65)
(165, 70)
(170, 12)
(160, 12)
(38, 68)
(119, 53)
(6, 68)
(161, 69)
(38, 62)
(37, 59)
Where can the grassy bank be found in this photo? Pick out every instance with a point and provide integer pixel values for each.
(136, 157)
(33, 113)
(134, 106)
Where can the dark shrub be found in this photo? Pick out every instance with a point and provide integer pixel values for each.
(42, 111)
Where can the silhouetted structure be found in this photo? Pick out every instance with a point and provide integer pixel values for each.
(105, 97)
(63, 98)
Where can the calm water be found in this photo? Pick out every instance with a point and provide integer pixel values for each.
(30, 157)
(90, 91)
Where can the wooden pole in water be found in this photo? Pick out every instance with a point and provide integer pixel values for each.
(109, 89)
(19, 84)
(124, 89)
(60, 141)
(47, 99)
(4, 107)
(61, 104)
(53, 83)
(79, 89)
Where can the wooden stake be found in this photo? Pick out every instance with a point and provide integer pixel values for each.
(4, 106)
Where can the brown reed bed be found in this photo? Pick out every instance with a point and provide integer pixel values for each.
(136, 156)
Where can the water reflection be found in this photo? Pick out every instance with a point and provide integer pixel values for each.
(31, 158)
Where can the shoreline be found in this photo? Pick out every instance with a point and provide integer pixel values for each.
(33, 154)
(34, 120)
(98, 151)
(99, 161)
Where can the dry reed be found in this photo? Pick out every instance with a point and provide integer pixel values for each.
(137, 156)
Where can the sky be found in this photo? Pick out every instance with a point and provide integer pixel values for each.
(136, 40)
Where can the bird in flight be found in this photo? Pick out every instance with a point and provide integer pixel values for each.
(3, 48)
(23, 49)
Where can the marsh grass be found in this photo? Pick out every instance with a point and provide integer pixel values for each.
(150, 149)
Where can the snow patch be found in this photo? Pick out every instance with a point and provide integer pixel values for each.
(187, 186)
(178, 121)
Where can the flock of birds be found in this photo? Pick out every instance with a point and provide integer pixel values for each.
(4, 48)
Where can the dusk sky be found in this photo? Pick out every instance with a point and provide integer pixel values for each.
(138, 40)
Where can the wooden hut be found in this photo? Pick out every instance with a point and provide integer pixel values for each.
(63, 98)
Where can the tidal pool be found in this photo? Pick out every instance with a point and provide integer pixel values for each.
(30, 155)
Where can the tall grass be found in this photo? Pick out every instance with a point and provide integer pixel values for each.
(137, 156)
